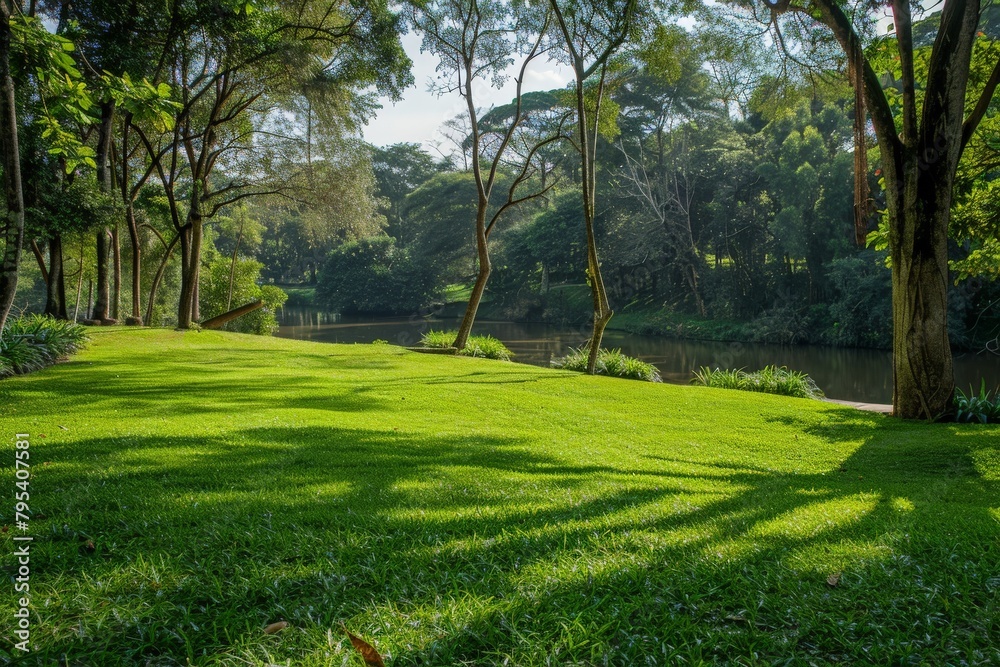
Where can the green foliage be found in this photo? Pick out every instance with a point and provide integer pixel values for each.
(215, 296)
(486, 347)
(64, 99)
(862, 310)
(374, 275)
(31, 342)
(610, 362)
(983, 407)
(768, 380)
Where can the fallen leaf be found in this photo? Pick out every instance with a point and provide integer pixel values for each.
(45, 463)
(275, 627)
(5, 528)
(41, 435)
(366, 650)
(833, 580)
(89, 547)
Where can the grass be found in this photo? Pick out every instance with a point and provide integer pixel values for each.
(768, 380)
(610, 362)
(487, 347)
(456, 511)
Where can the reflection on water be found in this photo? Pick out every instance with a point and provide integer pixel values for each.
(844, 373)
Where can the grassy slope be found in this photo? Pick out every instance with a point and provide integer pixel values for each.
(463, 511)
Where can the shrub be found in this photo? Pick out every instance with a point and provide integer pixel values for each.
(981, 407)
(214, 296)
(768, 380)
(486, 347)
(32, 342)
(610, 362)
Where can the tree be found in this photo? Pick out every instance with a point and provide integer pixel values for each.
(236, 66)
(591, 34)
(477, 39)
(399, 170)
(13, 223)
(919, 159)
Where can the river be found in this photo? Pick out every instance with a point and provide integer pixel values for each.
(849, 374)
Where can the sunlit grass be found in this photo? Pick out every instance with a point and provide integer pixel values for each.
(459, 511)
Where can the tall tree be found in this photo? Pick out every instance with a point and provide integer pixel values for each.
(477, 39)
(919, 159)
(13, 223)
(592, 32)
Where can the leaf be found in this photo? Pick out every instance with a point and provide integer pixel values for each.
(367, 651)
(833, 580)
(275, 627)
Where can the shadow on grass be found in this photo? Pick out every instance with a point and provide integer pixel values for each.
(477, 550)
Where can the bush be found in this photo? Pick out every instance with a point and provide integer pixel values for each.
(486, 347)
(214, 296)
(972, 407)
(374, 276)
(32, 342)
(768, 380)
(610, 362)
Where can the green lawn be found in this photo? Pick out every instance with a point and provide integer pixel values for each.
(458, 511)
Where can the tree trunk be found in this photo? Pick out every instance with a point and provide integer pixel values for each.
(923, 373)
(187, 308)
(13, 223)
(482, 276)
(134, 240)
(220, 320)
(159, 276)
(116, 274)
(103, 304)
(602, 309)
(55, 293)
(186, 294)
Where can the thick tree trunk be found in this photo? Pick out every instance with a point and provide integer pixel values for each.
(923, 373)
(187, 308)
(12, 230)
(102, 307)
(184, 299)
(55, 293)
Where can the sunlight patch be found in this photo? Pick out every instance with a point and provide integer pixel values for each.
(902, 504)
(815, 518)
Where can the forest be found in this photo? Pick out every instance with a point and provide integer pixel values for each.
(712, 172)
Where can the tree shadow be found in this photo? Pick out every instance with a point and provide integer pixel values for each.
(479, 549)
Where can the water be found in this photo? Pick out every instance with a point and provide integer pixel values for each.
(844, 373)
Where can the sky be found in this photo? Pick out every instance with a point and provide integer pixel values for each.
(419, 115)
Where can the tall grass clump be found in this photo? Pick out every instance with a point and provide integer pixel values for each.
(31, 342)
(486, 347)
(768, 380)
(610, 362)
